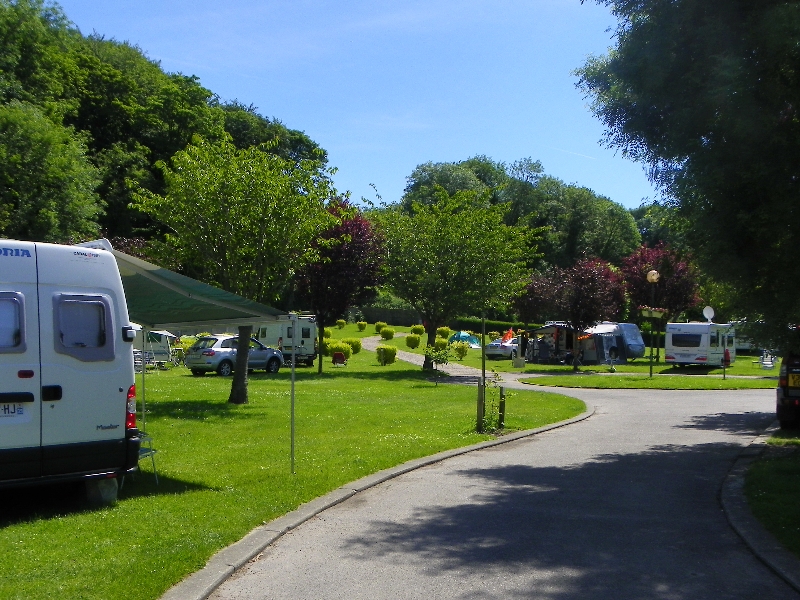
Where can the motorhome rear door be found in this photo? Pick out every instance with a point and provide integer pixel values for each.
(20, 406)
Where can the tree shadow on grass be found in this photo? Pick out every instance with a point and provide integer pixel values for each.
(55, 500)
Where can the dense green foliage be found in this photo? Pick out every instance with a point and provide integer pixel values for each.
(99, 116)
(707, 95)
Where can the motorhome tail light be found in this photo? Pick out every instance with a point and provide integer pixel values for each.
(783, 379)
(130, 415)
(208, 353)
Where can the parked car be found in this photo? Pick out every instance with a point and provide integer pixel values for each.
(787, 406)
(501, 349)
(218, 353)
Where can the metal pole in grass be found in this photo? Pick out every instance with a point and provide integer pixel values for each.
(652, 278)
(293, 317)
(482, 382)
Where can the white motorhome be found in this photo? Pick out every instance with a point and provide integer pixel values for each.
(67, 395)
(699, 343)
(280, 335)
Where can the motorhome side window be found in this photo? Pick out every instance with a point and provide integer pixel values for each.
(12, 322)
(84, 327)
(289, 332)
(306, 332)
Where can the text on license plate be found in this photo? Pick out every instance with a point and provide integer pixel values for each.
(794, 379)
(11, 410)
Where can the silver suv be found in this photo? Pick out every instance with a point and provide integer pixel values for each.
(218, 353)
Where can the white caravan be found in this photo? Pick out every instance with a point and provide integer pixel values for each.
(279, 335)
(699, 343)
(67, 395)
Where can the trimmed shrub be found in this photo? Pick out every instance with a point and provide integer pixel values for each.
(386, 354)
(440, 343)
(412, 341)
(418, 329)
(327, 332)
(387, 333)
(444, 332)
(339, 346)
(354, 343)
(362, 325)
(379, 325)
(340, 323)
(460, 349)
(493, 335)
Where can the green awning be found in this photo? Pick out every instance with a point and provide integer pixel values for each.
(161, 299)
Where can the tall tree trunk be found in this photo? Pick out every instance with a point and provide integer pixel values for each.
(239, 384)
(431, 330)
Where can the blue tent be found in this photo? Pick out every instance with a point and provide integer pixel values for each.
(465, 336)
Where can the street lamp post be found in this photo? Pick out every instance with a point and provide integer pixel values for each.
(652, 279)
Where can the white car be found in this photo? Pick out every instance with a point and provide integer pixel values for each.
(501, 349)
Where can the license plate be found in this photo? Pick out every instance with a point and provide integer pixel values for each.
(794, 379)
(11, 410)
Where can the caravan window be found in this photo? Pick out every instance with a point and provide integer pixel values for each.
(83, 327)
(686, 340)
(306, 332)
(713, 339)
(12, 322)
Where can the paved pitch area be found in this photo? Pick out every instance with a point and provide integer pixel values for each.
(623, 505)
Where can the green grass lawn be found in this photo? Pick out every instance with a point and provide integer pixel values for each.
(772, 488)
(225, 469)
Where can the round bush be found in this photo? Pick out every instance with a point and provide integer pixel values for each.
(327, 332)
(339, 346)
(461, 349)
(387, 333)
(362, 325)
(386, 354)
(325, 345)
(379, 325)
(444, 332)
(340, 323)
(493, 335)
(418, 329)
(354, 343)
(412, 341)
(441, 343)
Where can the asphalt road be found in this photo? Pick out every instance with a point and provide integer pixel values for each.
(622, 505)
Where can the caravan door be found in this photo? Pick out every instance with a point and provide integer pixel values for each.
(20, 376)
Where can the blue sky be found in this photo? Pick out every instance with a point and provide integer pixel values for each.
(385, 86)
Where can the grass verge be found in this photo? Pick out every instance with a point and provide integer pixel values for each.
(658, 382)
(225, 469)
(772, 489)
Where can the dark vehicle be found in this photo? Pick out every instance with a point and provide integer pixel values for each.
(788, 393)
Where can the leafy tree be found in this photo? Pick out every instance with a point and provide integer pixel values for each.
(240, 219)
(346, 271)
(582, 295)
(427, 179)
(452, 257)
(46, 182)
(676, 289)
(248, 128)
(706, 94)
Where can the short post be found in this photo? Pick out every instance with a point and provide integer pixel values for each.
(501, 419)
(481, 407)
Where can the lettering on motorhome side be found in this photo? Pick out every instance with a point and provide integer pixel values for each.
(20, 252)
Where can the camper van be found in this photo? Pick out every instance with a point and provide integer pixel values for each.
(699, 343)
(279, 335)
(67, 395)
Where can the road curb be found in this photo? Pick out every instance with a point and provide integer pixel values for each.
(201, 584)
(760, 542)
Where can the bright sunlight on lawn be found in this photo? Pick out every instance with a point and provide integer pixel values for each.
(224, 469)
